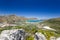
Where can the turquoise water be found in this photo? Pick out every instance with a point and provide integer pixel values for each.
(34, 20)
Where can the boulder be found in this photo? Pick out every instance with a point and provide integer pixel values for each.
(39, 36)
(15, 34)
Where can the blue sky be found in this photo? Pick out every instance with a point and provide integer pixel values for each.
(41, 9)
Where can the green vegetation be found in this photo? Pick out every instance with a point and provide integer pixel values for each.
(29, 37)
(48, 33)
(32, 29)
(53, 23)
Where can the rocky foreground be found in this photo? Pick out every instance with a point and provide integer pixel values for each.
(20, 34)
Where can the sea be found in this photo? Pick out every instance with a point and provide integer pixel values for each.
(34, 20)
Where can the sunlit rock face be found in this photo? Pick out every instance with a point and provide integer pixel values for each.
(52, 38)
(13, 34)
(58, 38)
(39, 36)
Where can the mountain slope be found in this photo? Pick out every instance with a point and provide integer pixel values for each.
(11, 18)
(53, 23)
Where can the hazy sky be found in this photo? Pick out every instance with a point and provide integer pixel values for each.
(31, 8)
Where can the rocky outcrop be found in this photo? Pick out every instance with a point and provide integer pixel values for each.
(20, 34)
(16, 34)
(39, 36)
(58, 38)
(52, 38)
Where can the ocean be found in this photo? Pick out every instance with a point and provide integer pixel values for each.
(34, 20)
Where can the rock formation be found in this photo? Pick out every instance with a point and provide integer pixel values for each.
(13, 34)
(39, 36)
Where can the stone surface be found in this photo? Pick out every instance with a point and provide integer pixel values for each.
(58, 38)
(52, 38)
(39, 36)
(16, 34)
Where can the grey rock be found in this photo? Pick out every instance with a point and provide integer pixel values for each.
(39, 36)
(16, 34)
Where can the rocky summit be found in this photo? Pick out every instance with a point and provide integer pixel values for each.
(12, 34)
(20, 34)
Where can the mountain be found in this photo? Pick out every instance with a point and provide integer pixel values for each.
(11, 18)
(14, 18)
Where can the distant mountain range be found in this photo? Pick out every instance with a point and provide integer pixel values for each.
(14, 18)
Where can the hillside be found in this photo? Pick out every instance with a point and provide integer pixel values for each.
(53, 23)
(32, 29)
(11, 18)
